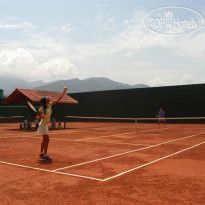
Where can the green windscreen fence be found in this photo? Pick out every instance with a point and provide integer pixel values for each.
(59, 111)
(177, 101)
(6, 111)
(1, 94)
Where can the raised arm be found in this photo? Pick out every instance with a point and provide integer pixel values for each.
(57, 101)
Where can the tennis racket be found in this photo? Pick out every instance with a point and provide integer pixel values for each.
(31, 106)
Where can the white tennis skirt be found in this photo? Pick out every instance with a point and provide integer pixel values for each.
(43, 128)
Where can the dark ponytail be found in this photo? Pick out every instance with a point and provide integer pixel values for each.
(43, 101)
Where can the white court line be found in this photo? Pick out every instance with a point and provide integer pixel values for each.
(63, 131)
(111, 127)
(7, 137)
(158, 129)
(123, 153)
(175, 153)
(47, 170)
(87, 177)
(15, 134)
(115, 143)
(193, 128)
(60, 132)
(101, 127)
(105, 136)
(115, 135)
(35, 133)
(20, 136)
(53, 138)
(31, 136)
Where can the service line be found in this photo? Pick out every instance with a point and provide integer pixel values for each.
(158, 129)
(154, 161)
(106, 136)
(128, 133)
(109, 178)
(124, 153)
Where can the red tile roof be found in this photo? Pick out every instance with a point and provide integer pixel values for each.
(21, 96)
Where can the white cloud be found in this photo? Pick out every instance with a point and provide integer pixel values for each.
(67, 28)
(192, 46)
(136, 38)
(18, 56)
(59, 30)
(158, 76)
(24, 25)
(21, 64)
(11, 23)
(100, 5)
(57, 69)
(103, 25)
(17, 63)
(44, 57)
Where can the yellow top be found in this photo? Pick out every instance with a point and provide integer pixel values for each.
(47, 116)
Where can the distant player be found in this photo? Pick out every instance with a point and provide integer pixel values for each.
(161, 116)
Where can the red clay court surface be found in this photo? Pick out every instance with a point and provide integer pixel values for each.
(105, 165)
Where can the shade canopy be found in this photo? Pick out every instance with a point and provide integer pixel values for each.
(21, 96)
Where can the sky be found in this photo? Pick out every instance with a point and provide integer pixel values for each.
(50, 40)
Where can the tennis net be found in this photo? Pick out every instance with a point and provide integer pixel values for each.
(11, 121)
(124, 124)
(99, 123)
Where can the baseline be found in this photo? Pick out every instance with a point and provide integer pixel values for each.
(47, 170)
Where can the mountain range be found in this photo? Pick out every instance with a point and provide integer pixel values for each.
(74, 85)
(10, 84)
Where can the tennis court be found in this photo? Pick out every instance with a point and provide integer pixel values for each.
(104, 161)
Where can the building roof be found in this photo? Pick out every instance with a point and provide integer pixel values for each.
(21, 96)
